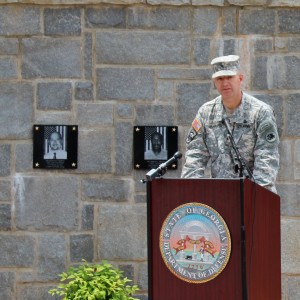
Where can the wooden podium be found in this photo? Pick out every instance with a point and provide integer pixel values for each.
(252, 215)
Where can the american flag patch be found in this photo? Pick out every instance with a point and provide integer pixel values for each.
(196, 125)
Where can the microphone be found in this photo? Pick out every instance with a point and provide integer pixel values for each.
(162, 168)
(226, 123)
(169, 162)
(240, 162)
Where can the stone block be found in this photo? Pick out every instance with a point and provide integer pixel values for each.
(189, 98)
(84, 90)
(289, 21)
(292, 115)
(294, 44)
(263, 45)
(208, 2)
(94, 151)
(158, 18)
(137, 47)
(292, 65)
(128, 271)
(296, 165)
(165, 90)
(7, 285)
(5, 190)
(282, 44)
(229, 21)
(155, 115)
(143, 277)
(205, 20)
(54, 117)
(286, 157)
(289, 194)
(46, 202)
(24, 154)
(5, 159)
(62, 21)
(5, 216)
(35, 292)
(248, 2)
(270, 73)
(124, 110)
(87, 217)
(20, 20)
(9, 46)
(141, 297)
(95, 114)
(257, 21)
(125, 84)
(290, 253)
(140, 198)
(184, 73)
(123, 148)
(51, 57)
(16, 112)
(17, 251)
(52, 257)
(105, 17)
(129, 227)
(81, 247)
(8, 68)
(168, 2)
(88, 55)
(202, 52)
(54, 95)
(107, 190)
(293, 287)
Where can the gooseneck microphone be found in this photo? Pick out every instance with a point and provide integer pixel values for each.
(162, 168)
(240, 164)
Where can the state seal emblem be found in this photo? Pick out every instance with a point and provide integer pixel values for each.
(195, 243)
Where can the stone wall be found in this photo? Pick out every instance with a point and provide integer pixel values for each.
(107, 66)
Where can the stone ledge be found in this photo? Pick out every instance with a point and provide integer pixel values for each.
(264, 3)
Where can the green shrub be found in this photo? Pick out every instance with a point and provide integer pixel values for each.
(94, 282)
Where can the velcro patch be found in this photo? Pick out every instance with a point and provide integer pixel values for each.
(271, 136)
(268, 131)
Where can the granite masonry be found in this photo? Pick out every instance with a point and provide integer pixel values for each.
(107, 66)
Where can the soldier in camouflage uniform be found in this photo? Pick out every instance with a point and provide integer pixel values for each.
(252, 124)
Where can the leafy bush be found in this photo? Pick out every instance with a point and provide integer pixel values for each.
(94, 282)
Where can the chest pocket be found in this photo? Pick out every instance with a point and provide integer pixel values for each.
(216, 140)
(245, 138)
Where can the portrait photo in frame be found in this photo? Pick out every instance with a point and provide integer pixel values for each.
(55, 146)
(154, 145)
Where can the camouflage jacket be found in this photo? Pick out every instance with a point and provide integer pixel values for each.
(254, 131)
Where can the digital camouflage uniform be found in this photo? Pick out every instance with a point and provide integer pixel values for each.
(254, 130)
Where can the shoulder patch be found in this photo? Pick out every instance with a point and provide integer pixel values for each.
(192, 133)
(268, 131)
(196, 125)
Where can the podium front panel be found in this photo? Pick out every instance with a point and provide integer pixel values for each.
(224, 196)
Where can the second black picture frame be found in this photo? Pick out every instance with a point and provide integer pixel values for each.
(154, 145)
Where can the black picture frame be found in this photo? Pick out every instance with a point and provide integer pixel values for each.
(144, 156)
(55, 146)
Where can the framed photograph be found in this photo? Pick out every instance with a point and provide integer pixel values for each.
(55, 146)
(154, 145)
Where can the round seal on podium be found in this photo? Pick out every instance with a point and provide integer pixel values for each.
(195, 242)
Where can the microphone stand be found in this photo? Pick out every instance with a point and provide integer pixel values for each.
(240, 167)
(241, 164)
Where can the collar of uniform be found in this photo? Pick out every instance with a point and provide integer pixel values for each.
(239, 114)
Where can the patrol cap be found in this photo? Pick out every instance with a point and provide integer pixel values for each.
(225, 65)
